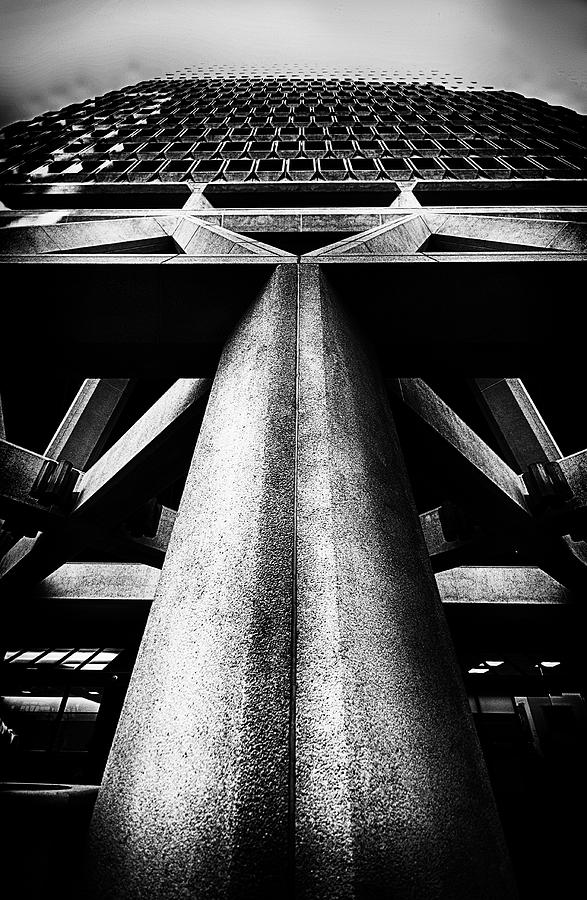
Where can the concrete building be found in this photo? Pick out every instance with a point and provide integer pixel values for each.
(299, 579)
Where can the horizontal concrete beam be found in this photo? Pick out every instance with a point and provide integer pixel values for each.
(109, 603)
(99, 581)
(87, 604)
(106, 582)
(500, 585)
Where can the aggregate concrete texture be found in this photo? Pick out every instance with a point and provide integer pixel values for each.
(194, 801)
(392, 798)
(500, 584)
(296, 725)
(515, 421)
(433, 410)
(89, 420)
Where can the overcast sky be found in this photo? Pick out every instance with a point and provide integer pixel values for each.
(54, 52)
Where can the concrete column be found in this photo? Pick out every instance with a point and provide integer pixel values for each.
(392, 798)
(515, 421)
(194, 800)
(296, 724)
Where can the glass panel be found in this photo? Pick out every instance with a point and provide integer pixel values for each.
(79, 705)
(77, 726)
(54, 656)
(32, 718)
(28, 656)
(37, 706)
(76, 658)
(95, 666)
(10, 653)
(105, 656)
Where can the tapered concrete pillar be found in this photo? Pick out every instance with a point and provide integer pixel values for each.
(194, 801)
(392, 799)
(295, 725)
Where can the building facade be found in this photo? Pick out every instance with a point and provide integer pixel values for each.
(299, 579)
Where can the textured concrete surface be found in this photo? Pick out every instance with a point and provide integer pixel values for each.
(515, 422)
(295, 708)
(513, 230)
(574, 468)
(197, 237)
(84, 605)
(392, 799)
(89, 421)
(500, 584)
(194, 800)
(145, 434)
(101, 581)
(403, 234)
(433, 410)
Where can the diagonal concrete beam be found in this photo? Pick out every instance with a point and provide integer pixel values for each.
(515, 517)
(512, 230)
(574, 468)
(196, 237)
(515, 421)
(406, 199)
(419, 397)
(143, 461)
(78, 440)
(89, 421)
(140, 446)
(72, 236)
(406, 234)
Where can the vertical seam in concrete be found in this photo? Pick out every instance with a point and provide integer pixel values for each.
(294, 613)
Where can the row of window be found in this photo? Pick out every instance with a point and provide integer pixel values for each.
(259, 118)
(86, 659)
(144, 100)
(285, 149)
(301, 169)
(285, 143)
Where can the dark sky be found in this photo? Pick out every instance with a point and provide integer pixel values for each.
(54, 52)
